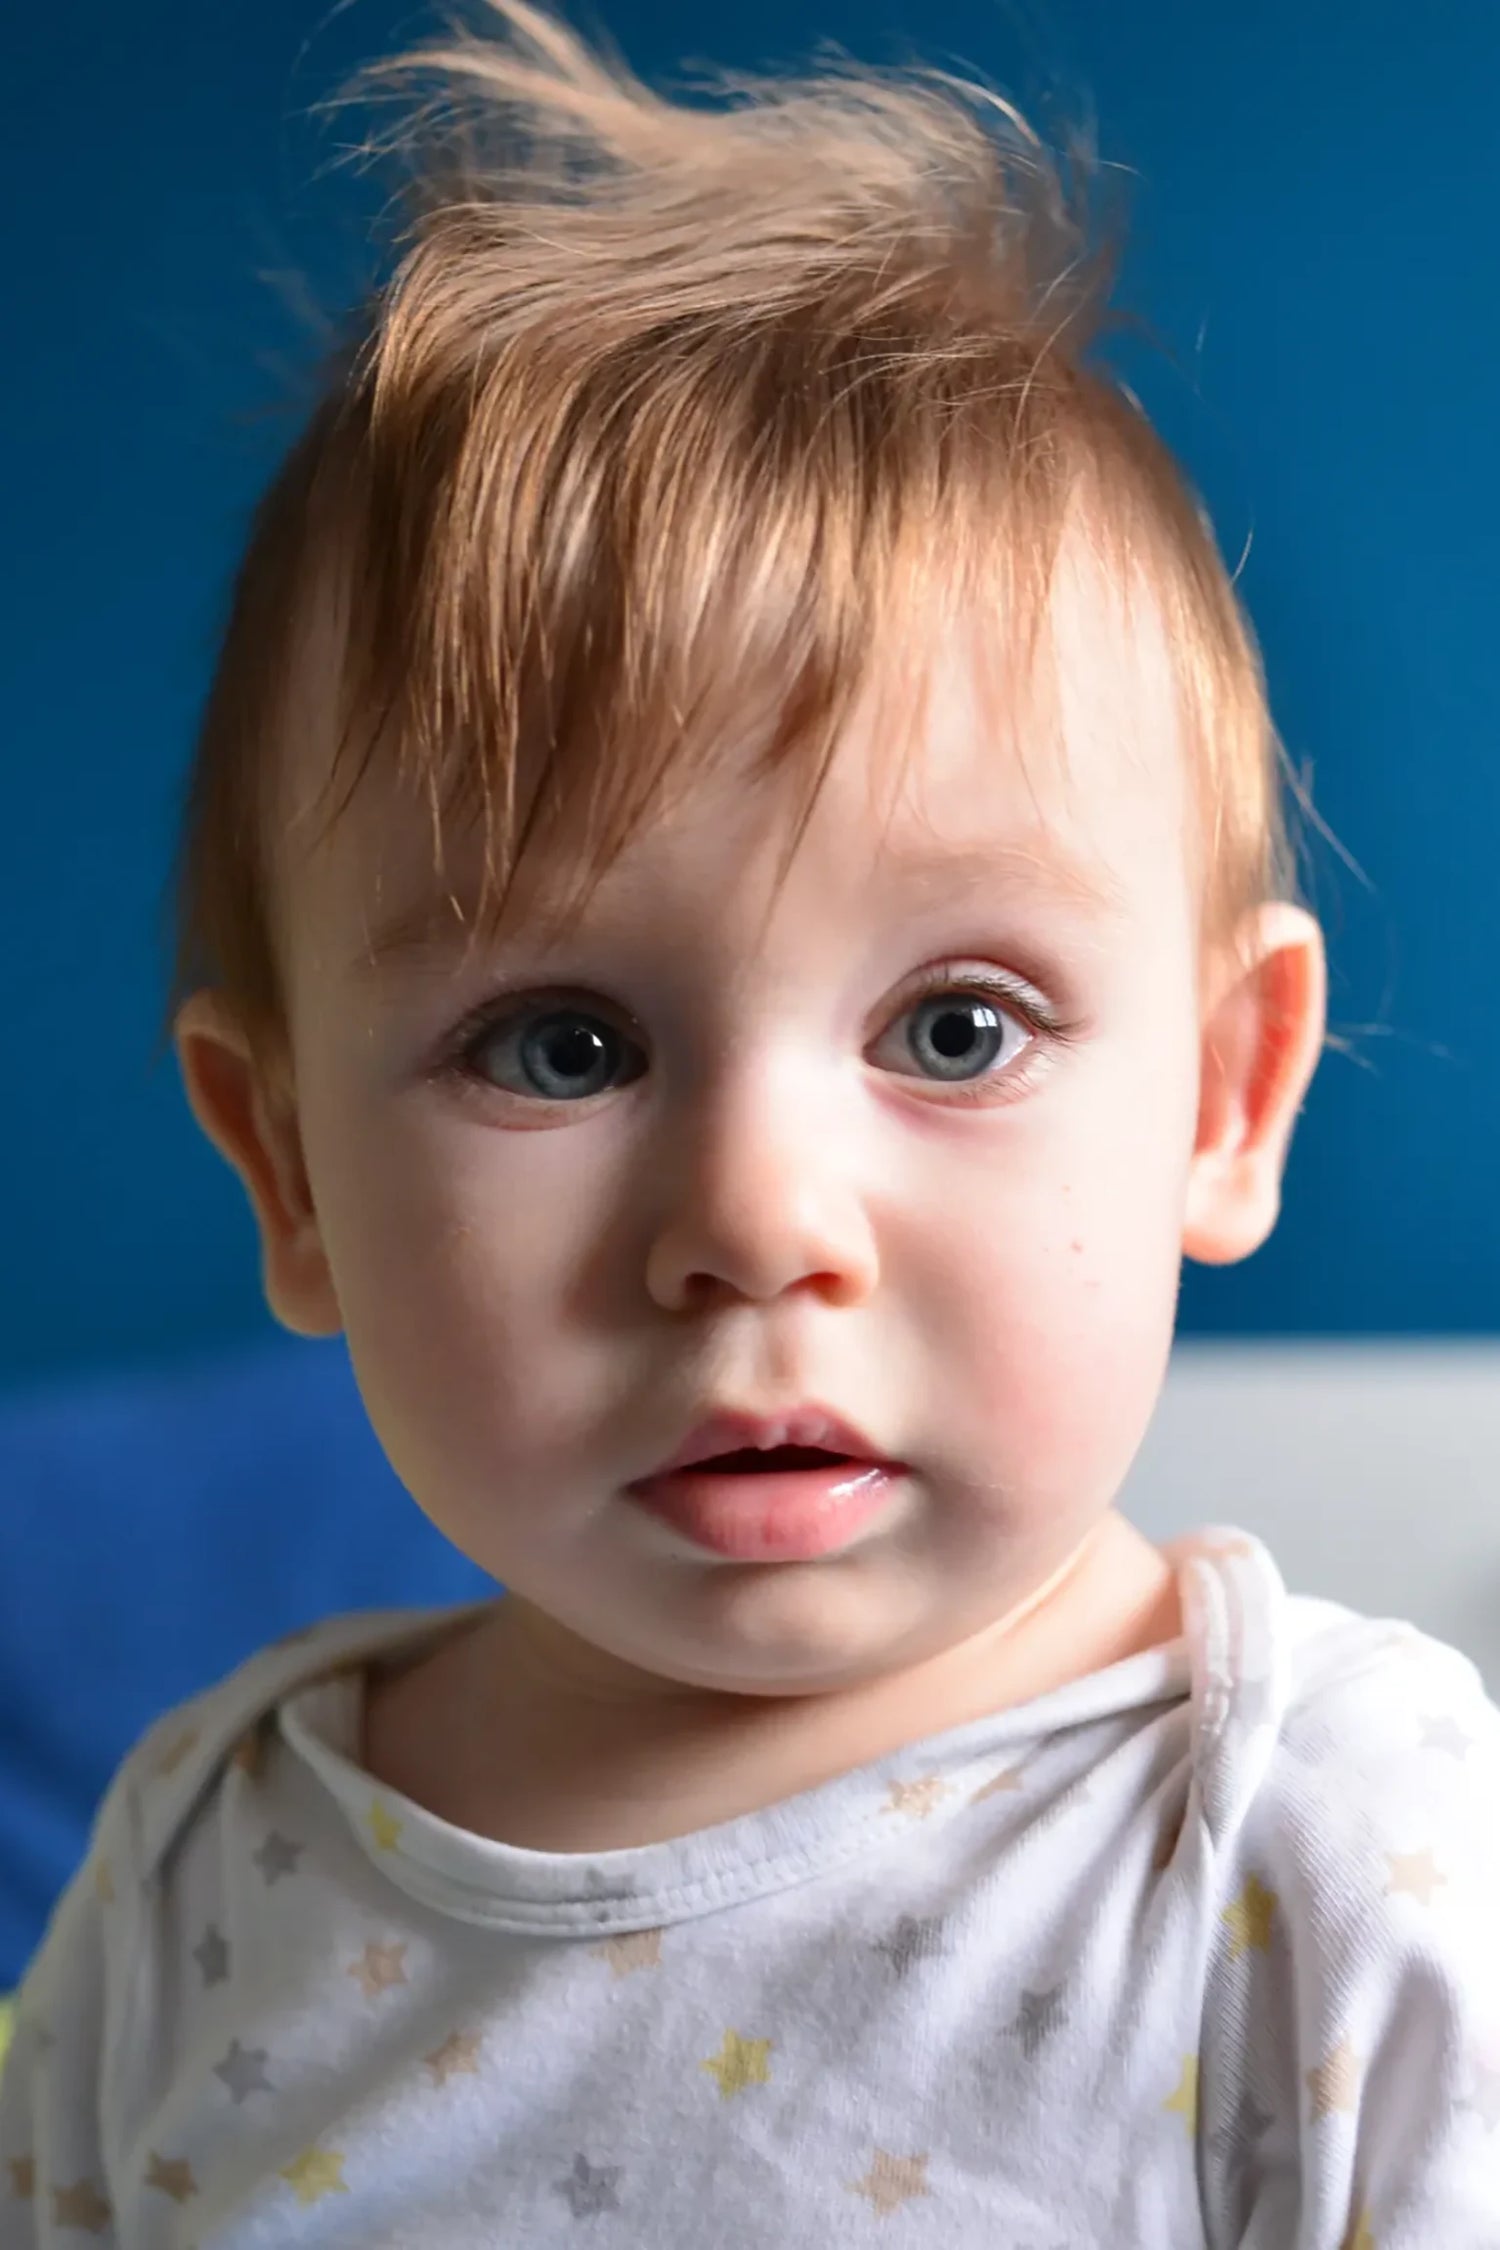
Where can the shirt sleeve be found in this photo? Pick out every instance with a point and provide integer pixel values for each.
(1351, 2047)
(55, 2161)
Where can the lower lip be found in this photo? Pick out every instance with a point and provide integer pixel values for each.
(788, 1515)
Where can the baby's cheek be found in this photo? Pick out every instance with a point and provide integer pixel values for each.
(1067, 1351)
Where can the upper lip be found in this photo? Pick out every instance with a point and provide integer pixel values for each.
(729, 1432)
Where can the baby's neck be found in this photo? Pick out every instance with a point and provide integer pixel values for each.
(495, 1740)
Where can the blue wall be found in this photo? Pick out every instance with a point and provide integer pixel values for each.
(1315, 243)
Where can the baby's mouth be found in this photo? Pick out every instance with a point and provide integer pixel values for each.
(770, 1504)
(757, 1461)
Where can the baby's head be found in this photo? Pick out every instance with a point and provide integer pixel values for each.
(734, 863)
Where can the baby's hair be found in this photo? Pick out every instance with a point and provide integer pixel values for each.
(666, 412)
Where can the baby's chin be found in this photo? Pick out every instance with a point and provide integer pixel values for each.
(871, 1613)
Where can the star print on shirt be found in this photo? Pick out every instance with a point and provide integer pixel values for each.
(177, 1749)
(892, 2181)
(315, 2173)
(739, 2063)
(384, 1827)
(277, 1856)
(173, 2176)
(212, 1955)
(80, 2206)
(249, 1753)
(590, 2188)
(1249, 1919)
(1359, 2236)
(378, 1968)
(243, 2071)
(1184, 2100)
(637, 1949)
(1335, 2082)
(1416, 1873)
(1039, 2015)
(459, 2052)
(1003, 1784)
(913, 1940)
(916, 1798)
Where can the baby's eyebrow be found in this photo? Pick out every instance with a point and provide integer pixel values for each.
(423, 935)
(429, 934)
(1042, 871)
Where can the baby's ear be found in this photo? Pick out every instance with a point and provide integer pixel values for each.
(1262, 1035)
(248, 1110)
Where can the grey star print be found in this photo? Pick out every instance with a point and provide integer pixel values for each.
(590, 2188)
(913, 1940)
(243, 2071)
(212, 1955)
(600, 1885)
(277, 1856)
(1039, 2015)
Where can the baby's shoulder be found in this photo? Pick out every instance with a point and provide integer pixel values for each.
(1376, 1699)
(1305, 1712)
(193, 1749)
(1382, 1772)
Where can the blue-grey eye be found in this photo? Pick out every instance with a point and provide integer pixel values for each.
(564, 1055)
(961, 1035)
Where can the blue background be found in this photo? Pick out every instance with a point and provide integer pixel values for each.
(1314, 243)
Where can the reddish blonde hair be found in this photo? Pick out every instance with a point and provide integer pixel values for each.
(664, 412)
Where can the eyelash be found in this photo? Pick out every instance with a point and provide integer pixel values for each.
(1019, 998)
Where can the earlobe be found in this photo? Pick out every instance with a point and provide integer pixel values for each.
(1262, 1036)
(250, 1116)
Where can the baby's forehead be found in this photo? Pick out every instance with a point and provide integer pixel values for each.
(1062, 781)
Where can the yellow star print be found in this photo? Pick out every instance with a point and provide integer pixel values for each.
(379, 1967)
(637, 1949)
(1359, 2236)
(249, 1753)
(173, 2176)
(1249, 1918)
(1008, 1779)
(1335, 2082)
(893, 2180)
(1415, 1872)
(176, 1750)
(384, 1827)
(315, 2173)
(459, 2051)
(917, 1797)
(1185, 2099)
(739, 2063)
(80, 2206)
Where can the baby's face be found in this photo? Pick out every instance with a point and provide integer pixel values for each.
(909, 1141)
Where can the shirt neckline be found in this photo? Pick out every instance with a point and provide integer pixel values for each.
(751, 1855)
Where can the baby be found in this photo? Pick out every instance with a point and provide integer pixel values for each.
(735, 928)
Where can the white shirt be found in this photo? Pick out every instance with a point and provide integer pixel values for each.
(1199, 1950)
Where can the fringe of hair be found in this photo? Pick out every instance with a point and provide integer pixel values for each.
(666, 411)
